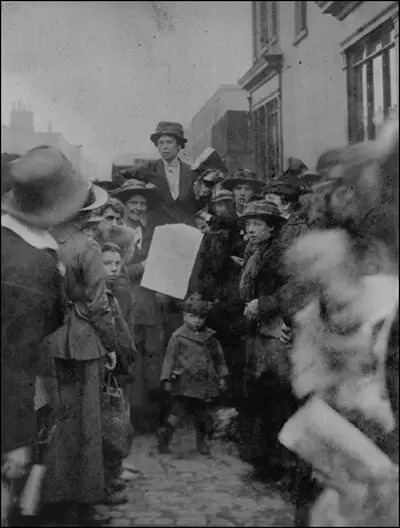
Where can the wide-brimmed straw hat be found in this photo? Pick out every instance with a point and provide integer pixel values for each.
(46, 189)
(243, 176)
(168, 128)
(132, 187)
(264, 209)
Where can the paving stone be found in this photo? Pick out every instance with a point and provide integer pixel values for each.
(186, 489)
(193, 521)
(121, 522)
(220, 522)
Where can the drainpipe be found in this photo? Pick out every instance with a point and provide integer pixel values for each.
(280, 117)
(396, 36)
(251, 131)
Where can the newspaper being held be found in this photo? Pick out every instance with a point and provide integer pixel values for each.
(171, 259)
(333, 446)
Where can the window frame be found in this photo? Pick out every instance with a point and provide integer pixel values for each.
(265, 27)
(300, 21)
(363, 120)
(268, 136)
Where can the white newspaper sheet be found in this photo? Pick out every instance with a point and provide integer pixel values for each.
(171, 259)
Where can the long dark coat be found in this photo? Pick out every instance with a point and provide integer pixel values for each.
(216, 278)
(148, 317)
(75, 462)
(268, 398)
(172, 211)
(31, 308)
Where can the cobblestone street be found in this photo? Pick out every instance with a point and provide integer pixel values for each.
(186, 489)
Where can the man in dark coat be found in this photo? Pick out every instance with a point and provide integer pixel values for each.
(173, 177)
(31, 298)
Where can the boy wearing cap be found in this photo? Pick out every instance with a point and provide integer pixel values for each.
(194, 371)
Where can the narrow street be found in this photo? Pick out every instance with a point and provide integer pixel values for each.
(186, 489)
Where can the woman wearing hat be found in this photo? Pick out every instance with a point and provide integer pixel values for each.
(266, 371)
(173, 177)
(245, 186)
(141, 201)
(44, 191)
(76, 465)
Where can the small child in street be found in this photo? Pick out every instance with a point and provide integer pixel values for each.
(194, 372)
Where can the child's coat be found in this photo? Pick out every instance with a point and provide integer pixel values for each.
(198, 360)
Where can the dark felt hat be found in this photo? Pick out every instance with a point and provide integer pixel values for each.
(243, 176)
(46, 189)
(168, 128)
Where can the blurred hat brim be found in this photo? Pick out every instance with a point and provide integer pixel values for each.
(63, 208)
(100, 198)
(152, 196)
(231, 183)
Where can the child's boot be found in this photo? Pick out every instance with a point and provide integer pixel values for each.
(202, 443)
(164, 438)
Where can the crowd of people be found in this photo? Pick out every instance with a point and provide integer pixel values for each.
(74, 311)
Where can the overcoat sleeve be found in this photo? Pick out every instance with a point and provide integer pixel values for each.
(171, 356)
(98, 309)
(126, 349)
(219, 359)
(269, 306)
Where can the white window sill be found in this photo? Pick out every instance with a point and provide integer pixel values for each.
(298, 38)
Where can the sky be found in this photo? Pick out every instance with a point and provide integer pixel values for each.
(105, 73)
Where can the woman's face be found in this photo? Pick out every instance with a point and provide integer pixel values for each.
(258, 230)
(168, 147)
(243, 193)
(136, 207)
(222, 208)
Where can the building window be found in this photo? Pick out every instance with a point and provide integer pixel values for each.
(267, 140)
(371, 82)
(300, 21)
(265, 26)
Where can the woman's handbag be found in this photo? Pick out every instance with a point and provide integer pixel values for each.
(116, 420)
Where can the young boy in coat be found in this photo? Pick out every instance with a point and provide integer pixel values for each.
(126, 354)
(193, 371)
